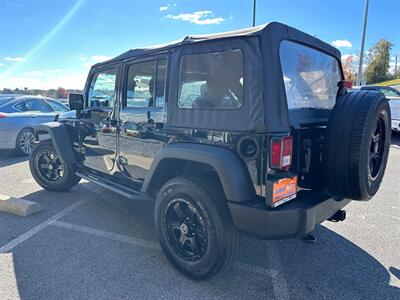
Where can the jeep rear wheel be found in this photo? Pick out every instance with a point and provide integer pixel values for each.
(195, 229)
(357, 144)
(48, 170)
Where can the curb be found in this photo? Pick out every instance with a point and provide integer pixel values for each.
(18, 206)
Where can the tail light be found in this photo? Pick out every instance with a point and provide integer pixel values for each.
(2, 116)
(281, 152)
(345, 84)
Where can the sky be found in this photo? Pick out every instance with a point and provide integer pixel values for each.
(52, 43)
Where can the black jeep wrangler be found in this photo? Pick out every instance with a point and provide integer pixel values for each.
(250, 131)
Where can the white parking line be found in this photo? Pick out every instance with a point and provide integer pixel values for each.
(109, 235)
(8, 280)
(279, 284)
(23, 237)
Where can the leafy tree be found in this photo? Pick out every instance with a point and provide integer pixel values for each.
(349, 68)
(378, 62)
(61, 93)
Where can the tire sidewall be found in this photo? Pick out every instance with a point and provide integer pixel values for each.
(202, 202)
(371, 185)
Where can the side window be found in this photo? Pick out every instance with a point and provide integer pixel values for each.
(310, 76)
(211, 80)
(146, 84)
(21, 106)
(37, 105)
(102, 89)
(57, 107)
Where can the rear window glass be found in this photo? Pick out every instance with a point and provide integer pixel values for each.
(211, 80)
(5, 99)
(310, 76)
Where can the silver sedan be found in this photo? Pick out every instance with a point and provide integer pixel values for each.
(19, 114)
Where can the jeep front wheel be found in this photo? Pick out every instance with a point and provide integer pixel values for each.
(195, 229)
(48, 170)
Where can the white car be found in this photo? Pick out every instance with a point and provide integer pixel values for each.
(394, 101)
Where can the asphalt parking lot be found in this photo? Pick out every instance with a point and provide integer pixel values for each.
(92, 244)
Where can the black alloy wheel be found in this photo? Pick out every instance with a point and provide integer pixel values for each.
(195, 228)
(377, 148)
(50, 166)
(186, 229)
(48, 169)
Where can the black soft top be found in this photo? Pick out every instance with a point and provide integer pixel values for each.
(269, 31)
(265, 107)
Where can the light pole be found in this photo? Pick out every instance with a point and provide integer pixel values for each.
(254, 13)
(359, 74)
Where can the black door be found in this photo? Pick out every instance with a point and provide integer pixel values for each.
(142, 117)
(98, 132)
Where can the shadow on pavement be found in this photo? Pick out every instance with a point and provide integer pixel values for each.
(396, 138)
(57, 263)
(334, 267)
(9, 157)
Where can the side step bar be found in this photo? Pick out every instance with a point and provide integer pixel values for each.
(114, 187)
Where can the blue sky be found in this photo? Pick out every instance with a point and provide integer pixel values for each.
(51, 43)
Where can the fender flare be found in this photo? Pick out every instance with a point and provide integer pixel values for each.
(59, 136)
(232, 171)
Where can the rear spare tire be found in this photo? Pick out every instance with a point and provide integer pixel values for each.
(357, 144)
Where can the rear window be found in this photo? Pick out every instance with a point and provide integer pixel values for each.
(5, 99)
(310, 76)
(211, 80)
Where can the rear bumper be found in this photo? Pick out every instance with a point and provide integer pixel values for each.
(295, 219)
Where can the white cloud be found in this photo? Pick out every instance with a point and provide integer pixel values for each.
(164, 8)
(204, 17)
(45, 72)
(34, 73)
(41, 79)
(342, 44)
(45, 79)
(19, 59)
(94, 59)
(1, 65)
(99, 58)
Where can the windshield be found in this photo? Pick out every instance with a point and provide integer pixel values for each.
(310, 76)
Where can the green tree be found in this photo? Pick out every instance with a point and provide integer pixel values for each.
(378, 62)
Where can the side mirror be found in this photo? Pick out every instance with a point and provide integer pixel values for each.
(76, 103)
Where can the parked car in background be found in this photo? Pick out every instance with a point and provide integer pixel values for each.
(19, 114)
(64, 101)
(394, 101)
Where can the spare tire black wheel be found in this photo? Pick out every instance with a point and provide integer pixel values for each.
(357, 144)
